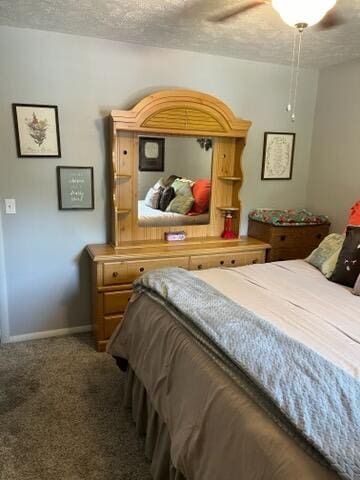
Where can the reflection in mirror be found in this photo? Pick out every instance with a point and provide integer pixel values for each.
(174, 181)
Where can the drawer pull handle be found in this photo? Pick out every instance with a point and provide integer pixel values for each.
(283, 238)
(232, 262)
(222, 262)
(115, 274)
(255, 260)
(199, 267)
(141, 269)
(319, 235)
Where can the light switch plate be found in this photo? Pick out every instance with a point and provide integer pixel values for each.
(10, 206)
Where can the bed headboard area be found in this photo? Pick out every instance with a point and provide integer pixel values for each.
(171, 134)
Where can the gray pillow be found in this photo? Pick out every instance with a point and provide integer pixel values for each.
(356, 290)
(152, 198)
(180, 204)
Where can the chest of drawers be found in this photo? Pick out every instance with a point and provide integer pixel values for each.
(288, 242)
(114, 270)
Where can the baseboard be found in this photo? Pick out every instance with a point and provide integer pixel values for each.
(49, 333)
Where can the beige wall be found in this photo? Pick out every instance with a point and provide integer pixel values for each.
(334, 176)
(46, 268)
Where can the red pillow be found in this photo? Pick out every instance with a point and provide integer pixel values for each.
(201, 193)
(354, 215)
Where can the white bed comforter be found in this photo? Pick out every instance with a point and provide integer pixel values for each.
(301, 302)
(150, 217)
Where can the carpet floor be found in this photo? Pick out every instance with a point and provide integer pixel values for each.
(62, 415)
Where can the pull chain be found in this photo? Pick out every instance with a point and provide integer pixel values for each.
(289, 106)
(293, 115)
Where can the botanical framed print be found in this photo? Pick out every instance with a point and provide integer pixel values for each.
(36, 130)
(75, 188)
(151, 154)
(278, 156)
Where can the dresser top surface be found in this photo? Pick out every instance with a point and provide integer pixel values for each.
(158, 249)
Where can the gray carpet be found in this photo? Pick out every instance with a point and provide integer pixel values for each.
(61, 414)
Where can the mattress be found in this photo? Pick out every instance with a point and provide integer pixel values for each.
(216, 429)
(151, 217)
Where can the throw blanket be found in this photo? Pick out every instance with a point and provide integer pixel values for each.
(315, 396)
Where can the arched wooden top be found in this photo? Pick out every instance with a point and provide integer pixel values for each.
(184, 112)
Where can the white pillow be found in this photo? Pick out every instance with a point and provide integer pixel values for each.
(152, 198)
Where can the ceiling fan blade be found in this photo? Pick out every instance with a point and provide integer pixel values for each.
(331, 20)
(226, 15)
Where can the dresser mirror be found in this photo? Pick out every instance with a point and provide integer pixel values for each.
(174, 180)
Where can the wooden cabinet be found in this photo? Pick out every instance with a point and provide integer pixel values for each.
(114, 270)
(288, 242)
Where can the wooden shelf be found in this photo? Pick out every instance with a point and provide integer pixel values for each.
(229, 209)
(122, 211)
(230, 179)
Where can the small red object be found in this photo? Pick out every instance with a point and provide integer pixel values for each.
(228, 230)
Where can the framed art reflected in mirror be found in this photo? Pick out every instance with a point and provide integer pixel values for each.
(151, 154)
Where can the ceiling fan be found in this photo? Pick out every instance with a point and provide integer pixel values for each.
(296, 13)
(299, 14)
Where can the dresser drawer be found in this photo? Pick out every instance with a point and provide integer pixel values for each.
(116, 302)
(202, 262)
(110, 323)
(135, 269)
(241, 259)
(114, 273)
(295, 236)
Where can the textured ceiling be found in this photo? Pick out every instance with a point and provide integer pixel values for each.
(258, 34)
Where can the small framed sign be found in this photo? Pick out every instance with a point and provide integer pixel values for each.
(75, 188)
(151, 154)
(36, 130)
(278, 156)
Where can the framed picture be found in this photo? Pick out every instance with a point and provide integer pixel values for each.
(151, 154)
(75, 188)
(36, 130)
(278, 156)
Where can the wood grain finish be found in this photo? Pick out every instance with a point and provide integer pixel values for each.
(175, 112)
(288, 242)
(115, 268)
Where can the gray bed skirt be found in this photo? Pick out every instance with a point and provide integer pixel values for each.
(149, 424)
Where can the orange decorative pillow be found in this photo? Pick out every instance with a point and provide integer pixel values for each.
(201, 193)
(354, 215)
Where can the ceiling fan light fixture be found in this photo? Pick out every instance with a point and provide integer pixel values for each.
(302, 12)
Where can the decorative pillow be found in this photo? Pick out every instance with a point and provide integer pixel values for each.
(170, 180)
(180, 204)
(182, 186)
(167, 195)
(356, 290)
(354, 215)
(201, 193)
(153, 197)
(159, 184)
(325, 256)
(347, 267)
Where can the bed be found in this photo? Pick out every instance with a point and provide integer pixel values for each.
(200, 418)
(151, 217)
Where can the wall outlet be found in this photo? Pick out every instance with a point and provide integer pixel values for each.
(10, 206)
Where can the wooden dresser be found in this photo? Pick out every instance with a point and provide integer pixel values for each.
(114, 270)
(288, 242)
